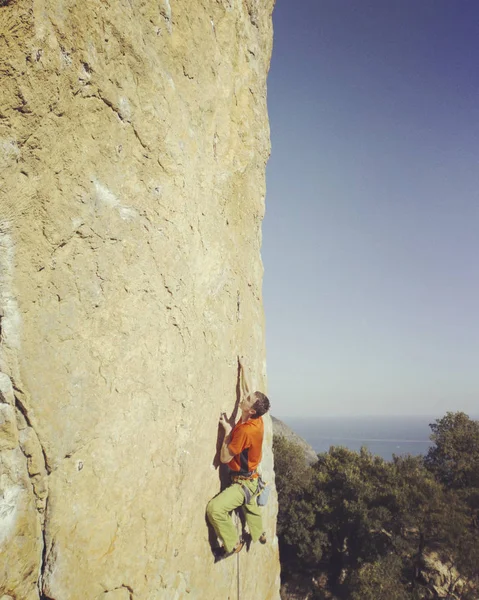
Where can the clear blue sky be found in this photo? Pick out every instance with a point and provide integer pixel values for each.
(371, 234)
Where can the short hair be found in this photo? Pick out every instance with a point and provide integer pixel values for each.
(261, 405)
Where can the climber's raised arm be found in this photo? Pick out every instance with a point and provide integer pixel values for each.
(225, 454)
(245, 381)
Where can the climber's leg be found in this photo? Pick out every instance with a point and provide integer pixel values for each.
(252, 512)
(218, 512)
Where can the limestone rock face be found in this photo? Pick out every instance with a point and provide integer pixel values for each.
(133, 144)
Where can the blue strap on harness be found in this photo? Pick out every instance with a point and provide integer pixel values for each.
(261, 494)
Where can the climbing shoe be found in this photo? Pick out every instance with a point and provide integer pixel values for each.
(247, 539)
(221, 554)
(238, 547)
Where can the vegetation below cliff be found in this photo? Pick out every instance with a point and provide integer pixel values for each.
(354, 526)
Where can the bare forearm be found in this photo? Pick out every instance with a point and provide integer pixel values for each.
(247, 383)
(245, 380)
(225, 454)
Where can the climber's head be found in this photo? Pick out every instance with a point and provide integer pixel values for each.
(261, 405)
(255, 405)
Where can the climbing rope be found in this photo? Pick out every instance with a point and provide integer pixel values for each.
(238, 557)
(238, 575)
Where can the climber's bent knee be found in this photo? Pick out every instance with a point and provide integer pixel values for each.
(212, 510)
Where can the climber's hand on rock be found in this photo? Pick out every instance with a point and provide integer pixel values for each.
(224, 423)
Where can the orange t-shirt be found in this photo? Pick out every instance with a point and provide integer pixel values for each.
(246, 444)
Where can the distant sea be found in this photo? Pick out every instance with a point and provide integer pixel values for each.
(383, 436)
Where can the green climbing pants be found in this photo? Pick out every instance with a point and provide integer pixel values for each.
(220, 507)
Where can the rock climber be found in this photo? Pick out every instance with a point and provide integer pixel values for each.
(241, 451)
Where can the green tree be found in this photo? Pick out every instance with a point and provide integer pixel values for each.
(365, 524)
(454, 461)
(297, 534)
(381, 579)
(454, 457)
(292, 471)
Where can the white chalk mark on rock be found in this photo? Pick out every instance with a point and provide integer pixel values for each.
(11, 320)
(9, 152)
(127, 213)
(166, 14)
(106, 196)
(9, 500)
(125, 109)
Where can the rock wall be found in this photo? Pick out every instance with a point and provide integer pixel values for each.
(133, 144)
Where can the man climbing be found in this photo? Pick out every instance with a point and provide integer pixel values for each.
(241, 451)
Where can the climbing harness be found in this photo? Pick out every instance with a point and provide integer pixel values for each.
(243, 476)
(262, 492)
